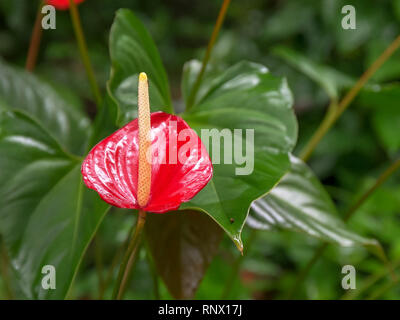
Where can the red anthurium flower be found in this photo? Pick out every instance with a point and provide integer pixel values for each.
(179, 163)
(61, 4)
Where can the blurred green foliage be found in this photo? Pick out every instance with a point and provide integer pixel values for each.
(359, 147)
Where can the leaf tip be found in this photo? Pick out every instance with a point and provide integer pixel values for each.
(239, 244)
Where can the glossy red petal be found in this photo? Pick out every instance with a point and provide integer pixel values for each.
(181, 166)
(61, 4)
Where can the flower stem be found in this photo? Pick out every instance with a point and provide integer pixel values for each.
(331, 118)
(321, 249)
(114, 262)
(382, 178)
(214, 35)
(35, 40)
(129, 258)
(80, 38)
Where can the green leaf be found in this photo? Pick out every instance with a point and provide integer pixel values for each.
(384, 104)
(133, 51)
(47, 216)
(66, 123)
(300, 203)
(182, 243)
(246, 96)
(331, 80)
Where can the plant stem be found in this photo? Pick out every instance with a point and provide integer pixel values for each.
(129, 258)
(381, 179)
(35, 40)
(114, 262)
(214, 35)
(330, 119)
(80, 38)
(236, 267)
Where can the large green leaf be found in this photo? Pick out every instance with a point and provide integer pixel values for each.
(384, 104)
(331, 80)
(133, 51)
(47, 216)
(65, 122)
(246, 96)
(300, 203)
(183, 243)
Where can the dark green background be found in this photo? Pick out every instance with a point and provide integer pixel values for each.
(347, 161)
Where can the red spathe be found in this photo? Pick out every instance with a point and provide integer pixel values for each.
(181, 166)
(61, 4)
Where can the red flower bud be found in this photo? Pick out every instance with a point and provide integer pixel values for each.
(61, 4)
(180, 165)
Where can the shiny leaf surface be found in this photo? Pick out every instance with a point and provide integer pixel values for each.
(133, 51)
(183, 244)
(47, 217)
(65, 122)
(245, 96)
(300, 203)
